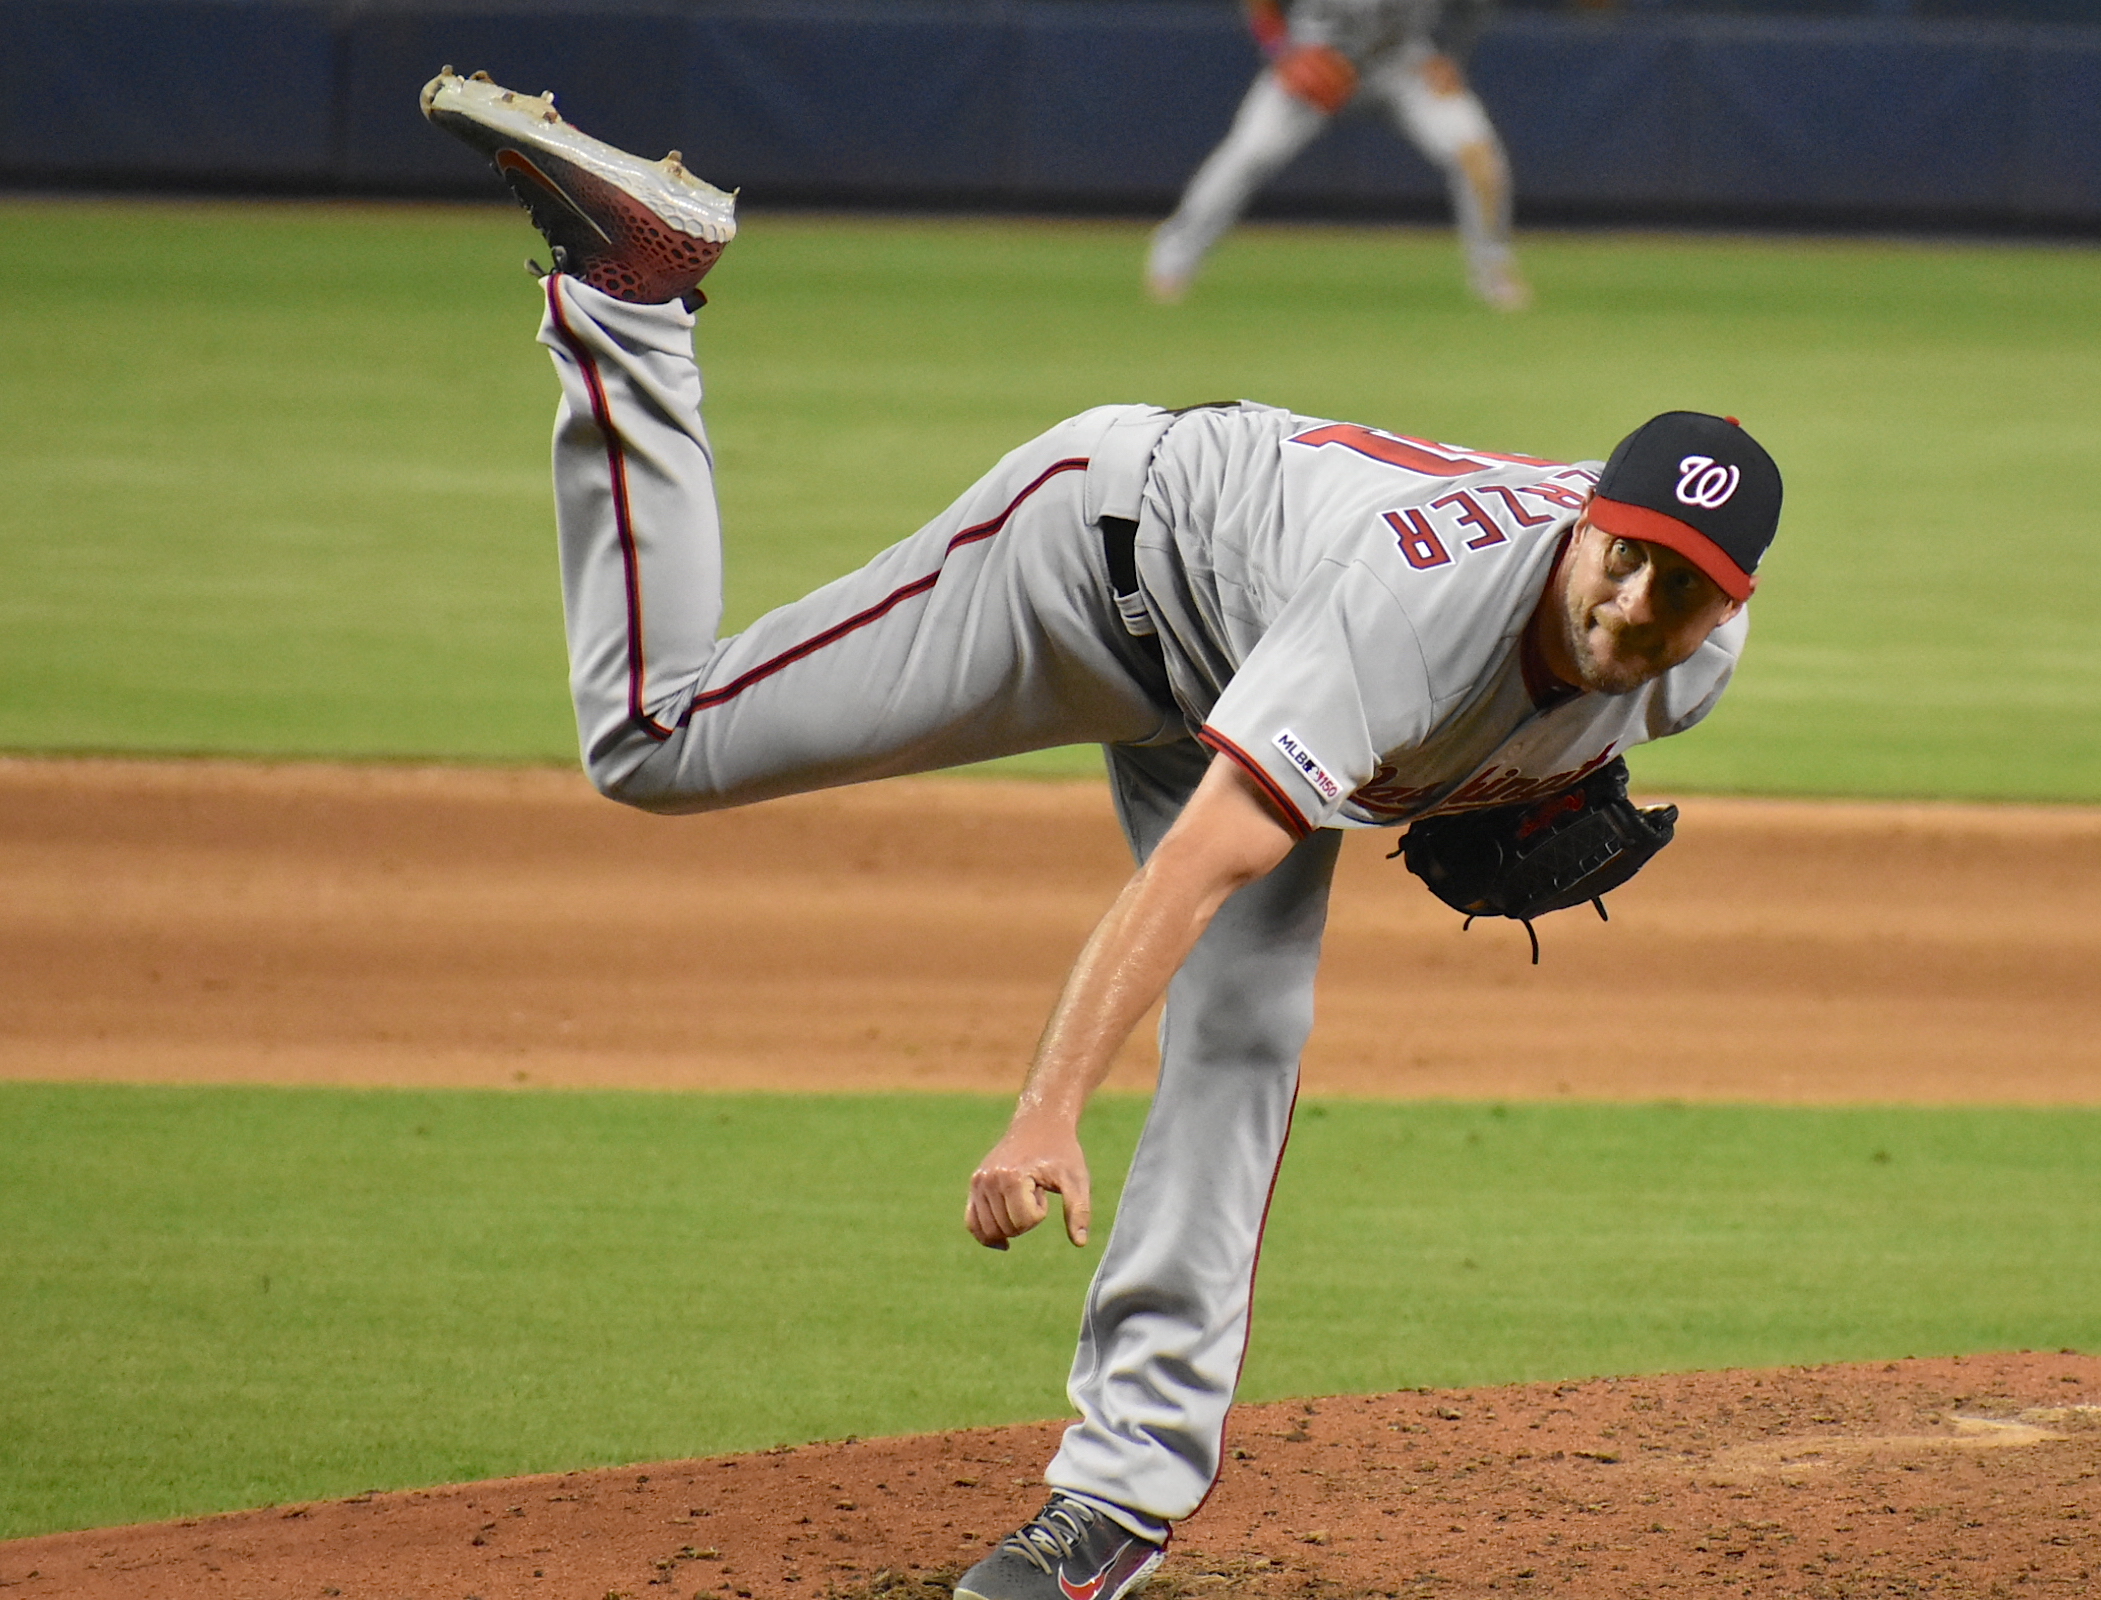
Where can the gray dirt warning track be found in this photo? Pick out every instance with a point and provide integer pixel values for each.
(164, 921)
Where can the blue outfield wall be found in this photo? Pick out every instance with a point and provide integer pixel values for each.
(1069, 104)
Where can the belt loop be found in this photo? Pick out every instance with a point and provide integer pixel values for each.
(1117, 466)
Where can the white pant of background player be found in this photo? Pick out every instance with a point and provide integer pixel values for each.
(1440, 117)
(990, 631)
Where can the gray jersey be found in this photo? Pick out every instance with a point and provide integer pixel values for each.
(1343, 610)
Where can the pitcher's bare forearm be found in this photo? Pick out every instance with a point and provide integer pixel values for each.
(1226, 837)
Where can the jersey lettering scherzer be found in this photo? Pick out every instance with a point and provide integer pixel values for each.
(1342, 611)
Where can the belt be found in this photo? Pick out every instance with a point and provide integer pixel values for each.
(1120, 548)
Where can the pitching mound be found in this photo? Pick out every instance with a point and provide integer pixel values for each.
(1960, 1477)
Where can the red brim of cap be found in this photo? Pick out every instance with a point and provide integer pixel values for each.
(1625, 521)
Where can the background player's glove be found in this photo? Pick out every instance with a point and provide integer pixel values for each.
(1525, 860)
(1318, 74)
(1265, 19)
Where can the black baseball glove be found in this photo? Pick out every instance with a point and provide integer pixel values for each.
(1525, 860)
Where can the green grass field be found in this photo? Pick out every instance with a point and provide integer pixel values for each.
(228, 1297)
(278, 476)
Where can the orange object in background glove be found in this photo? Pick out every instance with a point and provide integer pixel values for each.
(1265, 19)
(1318, 74)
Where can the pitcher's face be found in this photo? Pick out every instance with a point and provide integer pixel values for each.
(1627, 612)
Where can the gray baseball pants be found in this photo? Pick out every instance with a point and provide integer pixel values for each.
(990, 631)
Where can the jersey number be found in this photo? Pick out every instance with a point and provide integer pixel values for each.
(1414, 455)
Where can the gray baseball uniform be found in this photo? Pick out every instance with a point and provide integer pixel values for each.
(1338, 609)
(1402, 52)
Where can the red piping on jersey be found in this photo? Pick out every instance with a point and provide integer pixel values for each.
(623, 513)
(1656, 527)
(874, 613)
(1292, 818)
(1248, 1332)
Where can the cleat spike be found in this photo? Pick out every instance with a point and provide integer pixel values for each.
(508, 97)
(483, 77)
(446, 71)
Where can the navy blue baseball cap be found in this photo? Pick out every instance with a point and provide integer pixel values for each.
(1698, 485)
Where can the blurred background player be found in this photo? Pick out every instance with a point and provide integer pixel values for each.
(1404, 53)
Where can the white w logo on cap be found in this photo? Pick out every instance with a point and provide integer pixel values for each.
(1703, 482)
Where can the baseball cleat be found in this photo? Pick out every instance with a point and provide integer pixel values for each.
(1165, 289)
(641, 231)
(1067, 1551)
(1170, 264)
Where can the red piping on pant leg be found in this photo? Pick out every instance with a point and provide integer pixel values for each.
(883, 607)
(623, 512)
(1249, 1338)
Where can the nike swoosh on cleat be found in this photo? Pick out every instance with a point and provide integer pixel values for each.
(512, 161)
(1093, 1586)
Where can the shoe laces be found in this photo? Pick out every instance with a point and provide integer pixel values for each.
(1053, 1533)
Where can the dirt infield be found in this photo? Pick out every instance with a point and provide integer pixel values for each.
(218, 922)
(169, 921)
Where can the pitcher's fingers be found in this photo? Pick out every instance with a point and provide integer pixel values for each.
(1019, 1203)
(1079, 1206)
(972, 1222)
(1007, 1204)
(982, 1215)
(981, 1227)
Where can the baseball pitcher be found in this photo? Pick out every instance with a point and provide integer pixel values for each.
(1404, 54)
(1277, 626)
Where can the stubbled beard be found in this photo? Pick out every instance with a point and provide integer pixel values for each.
(1597, 677)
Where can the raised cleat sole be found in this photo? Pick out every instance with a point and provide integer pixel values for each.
(499, 121)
